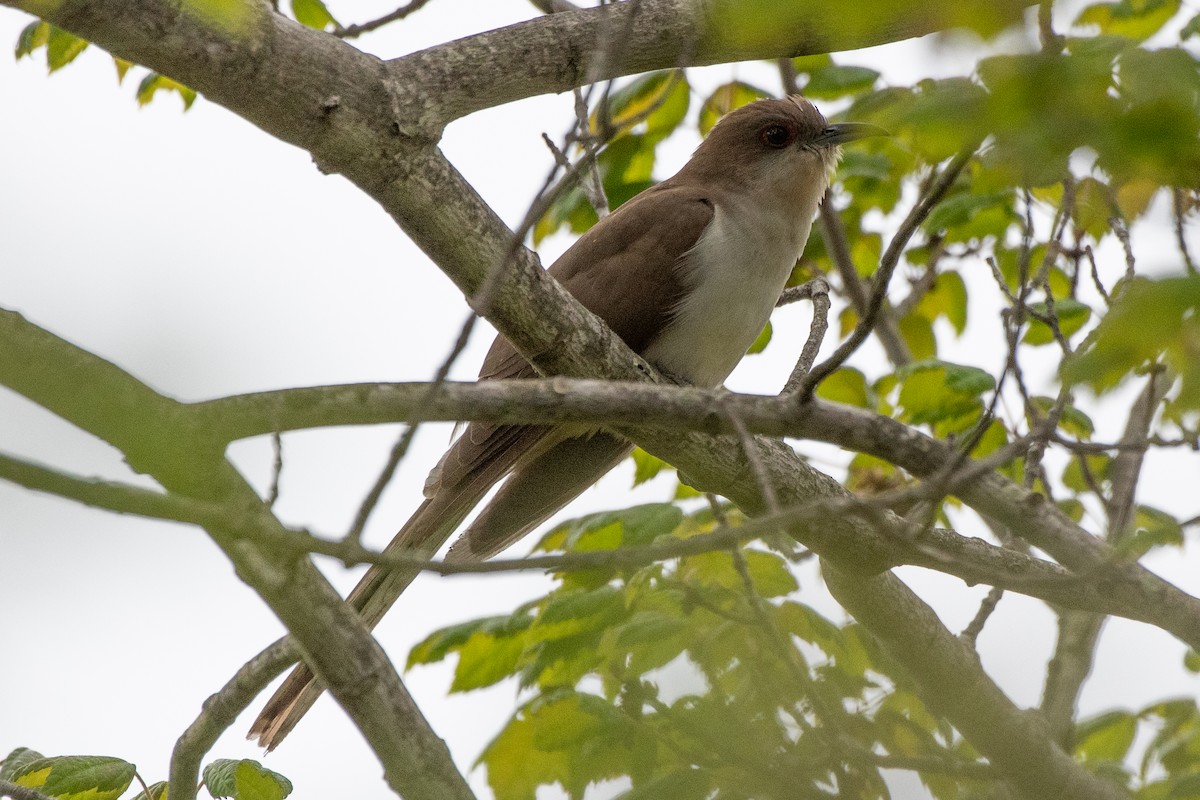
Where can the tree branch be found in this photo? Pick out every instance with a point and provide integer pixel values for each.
(158, 441)
(1015, 742)
(221, 710)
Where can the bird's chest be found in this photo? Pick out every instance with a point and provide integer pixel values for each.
(733, 277)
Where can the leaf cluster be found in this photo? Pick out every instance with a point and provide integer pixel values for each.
(108, 778)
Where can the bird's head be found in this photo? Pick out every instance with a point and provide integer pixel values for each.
(778, 147)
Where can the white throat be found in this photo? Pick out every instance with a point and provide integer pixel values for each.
(734, 274)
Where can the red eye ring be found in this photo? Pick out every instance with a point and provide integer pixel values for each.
(776, 136)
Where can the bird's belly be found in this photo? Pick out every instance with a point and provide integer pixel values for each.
(734, 279)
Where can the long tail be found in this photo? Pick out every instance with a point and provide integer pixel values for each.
(422, 535)
(548, 474)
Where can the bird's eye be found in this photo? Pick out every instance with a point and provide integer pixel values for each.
(775, 136)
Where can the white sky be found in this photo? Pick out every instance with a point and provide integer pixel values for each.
(209, 259)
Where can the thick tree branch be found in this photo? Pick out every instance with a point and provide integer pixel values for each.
(679, 408)
(970, 559)
(157, 440)
(558, 52)
(1015, 742)
(1079, 631)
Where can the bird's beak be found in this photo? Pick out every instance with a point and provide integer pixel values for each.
(844, 132)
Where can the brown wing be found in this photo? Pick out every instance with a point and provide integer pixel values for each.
(637, 250)
(622, 250)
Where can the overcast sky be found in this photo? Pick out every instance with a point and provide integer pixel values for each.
(208, 259)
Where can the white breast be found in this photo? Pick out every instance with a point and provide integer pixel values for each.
(734, 274)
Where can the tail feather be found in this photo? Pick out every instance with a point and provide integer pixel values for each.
(422, 535)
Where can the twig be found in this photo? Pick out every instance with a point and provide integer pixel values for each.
(221, 710)
(750, 447)
(971, 633)
(17, 792)
(839, 251)
(1052, 43)
(593, 186)
(1179, 213)
(819, 292)
(276, 468)
(883, 275)
(400, 13)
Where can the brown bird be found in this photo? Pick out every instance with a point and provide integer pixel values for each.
(687, 274)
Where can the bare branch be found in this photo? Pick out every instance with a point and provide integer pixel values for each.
(883, 275)
(353, 31)
(221, 710)
(819, 292)
(157, 440)
(947, 672)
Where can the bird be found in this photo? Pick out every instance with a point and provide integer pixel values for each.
(687, 274)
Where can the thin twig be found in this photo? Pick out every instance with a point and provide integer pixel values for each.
(971, 633)
(819, 292)
(1180, 239)
(400, 13)
(750, 447)
(276, 468)
(17, 792)
(221, 710)
(883, 275)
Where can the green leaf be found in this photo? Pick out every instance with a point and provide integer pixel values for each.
(770, 573)
(1071, 420)
(761, 342)
(15, 762)
(806, 65)
(846, 385)
(252, 781)
(155, 791)
(32, 36)
(935, 391)
(658, 101)
(123, 67)
(940, 119)
(1076, 479)
(645, 466)
(1132, 19)
(516, 767)
(917, 332)
(1092, 208)
(684, 783)
(947, 298)
(808, 625)
(62, 48)
(1071, 315)
(486, 659)
(244, 779)
(604, 531)
(77, 777)
(837, 81)
(154, 83)
(1148, 321)
(1106, 737)
(650, 638)
(313, 14)
(1192, 28)
(1191, 660)
(967, 216)
(440, 643)
(1151, 528)
(726, 98)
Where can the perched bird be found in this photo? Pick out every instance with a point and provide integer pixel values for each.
(687, 274)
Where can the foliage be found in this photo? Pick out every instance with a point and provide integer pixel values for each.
(686, 678)
(108, 778)
(705, 675)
